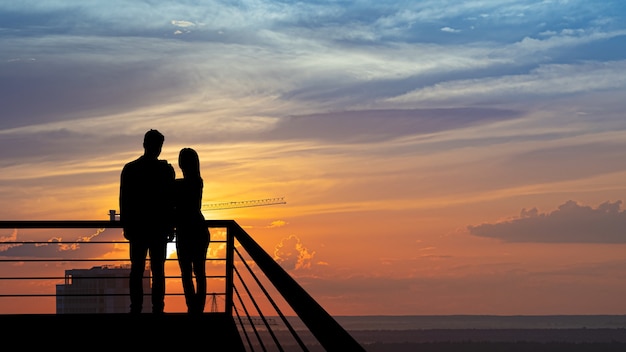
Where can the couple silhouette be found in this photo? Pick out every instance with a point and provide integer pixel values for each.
(155, 208)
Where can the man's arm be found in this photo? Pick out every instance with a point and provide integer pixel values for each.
(171, 202)
(122, 195)
(123, 202)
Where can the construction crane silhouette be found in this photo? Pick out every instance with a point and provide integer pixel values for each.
(114, 216)
(244, 203)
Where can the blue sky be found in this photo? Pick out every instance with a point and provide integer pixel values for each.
(458, 124)
(318, 56)
(250, 67)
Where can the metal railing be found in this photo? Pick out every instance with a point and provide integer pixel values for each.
(271, 310)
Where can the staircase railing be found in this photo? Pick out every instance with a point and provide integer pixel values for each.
(271, 310)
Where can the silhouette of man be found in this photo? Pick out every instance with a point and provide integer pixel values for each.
(146, 214)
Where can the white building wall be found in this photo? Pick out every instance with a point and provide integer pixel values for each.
(101, 289)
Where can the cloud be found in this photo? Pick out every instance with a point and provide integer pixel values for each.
(570, 223)
(450, 30)
(61, 247)
(276, 223)
(291, 254)
(284, 59)
(8, 238)
(545, 81)
(76, 245)
(377, 125)
(114, 76)
(183, 24)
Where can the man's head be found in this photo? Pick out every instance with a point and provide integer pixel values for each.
(152, 143)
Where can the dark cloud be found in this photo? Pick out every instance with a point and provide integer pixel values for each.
(570, 223)
(72, 18)
(377, 125)
(539, 165)
(59, 145)
(78, 246)
(47, 90)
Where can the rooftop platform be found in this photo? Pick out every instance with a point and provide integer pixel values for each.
(111, 332)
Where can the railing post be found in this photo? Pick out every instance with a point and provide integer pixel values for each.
(230, 262)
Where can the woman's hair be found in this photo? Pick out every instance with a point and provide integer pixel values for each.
(189, 162)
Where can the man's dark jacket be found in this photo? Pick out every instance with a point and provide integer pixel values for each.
(147, 198)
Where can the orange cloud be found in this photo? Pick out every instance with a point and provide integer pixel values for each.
(10, 238)
(88, 238)
(290, 253)
(276, 223)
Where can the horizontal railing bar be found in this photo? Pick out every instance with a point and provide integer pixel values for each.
(87, 224)
(95, 294)
(74, 278)
(62, 242)
(80, 242)
(88, 260)
(68, 260)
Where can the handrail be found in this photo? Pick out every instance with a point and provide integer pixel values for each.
(93, 224)
(320, 323)
(65, 224)
(85, 224)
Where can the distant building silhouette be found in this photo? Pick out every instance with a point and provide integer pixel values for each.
(101, 289)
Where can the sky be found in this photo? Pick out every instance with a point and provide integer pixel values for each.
(436, 157)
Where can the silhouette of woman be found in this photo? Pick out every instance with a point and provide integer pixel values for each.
(192, 234)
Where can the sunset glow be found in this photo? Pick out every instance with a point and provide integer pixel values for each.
(436, 157)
